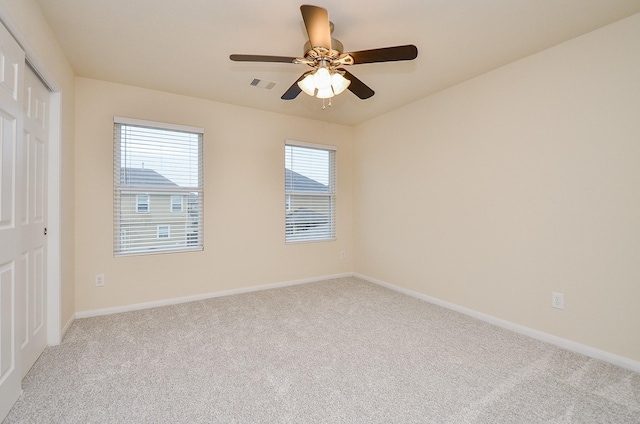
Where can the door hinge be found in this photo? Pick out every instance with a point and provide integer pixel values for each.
(45, 231)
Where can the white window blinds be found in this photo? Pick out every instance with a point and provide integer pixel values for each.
(310, 188)
(158, 187)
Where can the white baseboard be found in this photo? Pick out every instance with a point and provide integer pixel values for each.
(56, 342)
(67, 326)
(539, 335)
(175, 301)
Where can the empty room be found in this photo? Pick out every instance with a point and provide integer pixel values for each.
(339, 212)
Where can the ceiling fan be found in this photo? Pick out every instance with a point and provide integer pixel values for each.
(325, 56)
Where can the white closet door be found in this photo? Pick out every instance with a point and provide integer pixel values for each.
(33, 169)
(12, 61)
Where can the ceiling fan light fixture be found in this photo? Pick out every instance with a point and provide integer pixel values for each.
(308, 85)
(324, 83)
(339, 83)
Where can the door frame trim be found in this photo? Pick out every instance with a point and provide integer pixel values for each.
(54, 295)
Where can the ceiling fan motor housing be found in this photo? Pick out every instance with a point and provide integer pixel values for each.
(336, 45)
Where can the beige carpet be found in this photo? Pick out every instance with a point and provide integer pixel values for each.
(337, 351)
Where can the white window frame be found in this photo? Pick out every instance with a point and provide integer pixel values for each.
(157, 141)
(179, 202)
(140, 202)
(163, 231)
(315, 198)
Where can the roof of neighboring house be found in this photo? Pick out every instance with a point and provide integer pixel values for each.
(298, 182)
(144, 177)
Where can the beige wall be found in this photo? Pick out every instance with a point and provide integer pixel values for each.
(28, 19)
(244, 200)
(526, 180)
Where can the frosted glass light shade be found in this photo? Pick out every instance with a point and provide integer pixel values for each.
(322, 78)
(325, 93)
(308, 85)
(323, 84)
(339, 83)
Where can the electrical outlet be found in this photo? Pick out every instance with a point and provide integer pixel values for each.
(99, 280)
(343, 254)
(557, 300)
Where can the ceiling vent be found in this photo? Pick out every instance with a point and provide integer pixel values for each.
(261, 83)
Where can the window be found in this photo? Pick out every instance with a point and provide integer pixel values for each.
(124, 238)
(142, 203)
(176, 203)
(157, 171)
(310, 181)
(164, 231)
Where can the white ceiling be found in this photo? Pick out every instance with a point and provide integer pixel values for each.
(183, 46)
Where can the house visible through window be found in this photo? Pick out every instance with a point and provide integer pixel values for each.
(158, 187)
(310, 180)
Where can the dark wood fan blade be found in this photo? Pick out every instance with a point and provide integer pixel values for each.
(259, 58)
(357, 87)
(295, 89)
(386, 54)
(316, 20)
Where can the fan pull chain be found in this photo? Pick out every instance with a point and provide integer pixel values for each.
(323, 105)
